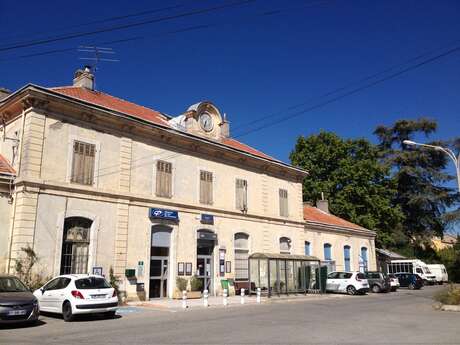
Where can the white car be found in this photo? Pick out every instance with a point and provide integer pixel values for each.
(394, 282)
(351, 283)
(74, 294)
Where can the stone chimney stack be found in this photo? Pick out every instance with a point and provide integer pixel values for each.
(84, 78)
(4, 93)
(323, 204)
(225, 127)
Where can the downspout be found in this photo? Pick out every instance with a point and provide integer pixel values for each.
(15, 190)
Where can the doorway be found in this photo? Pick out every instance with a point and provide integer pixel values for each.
(204, 261)
(159, 261)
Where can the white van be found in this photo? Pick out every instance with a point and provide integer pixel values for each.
(439, 271)
(415, 266)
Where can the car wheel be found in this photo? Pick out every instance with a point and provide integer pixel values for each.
(411, 286)
(67, 312)
(110, 314)
(375, 288)
(351, 290)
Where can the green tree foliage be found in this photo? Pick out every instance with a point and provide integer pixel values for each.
(348, 172)
(419, 177)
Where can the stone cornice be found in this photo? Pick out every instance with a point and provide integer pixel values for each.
(316, 226)
(112, 196)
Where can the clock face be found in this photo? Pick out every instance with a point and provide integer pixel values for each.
(206, 122)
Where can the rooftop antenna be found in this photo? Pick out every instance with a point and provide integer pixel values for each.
(97, 56)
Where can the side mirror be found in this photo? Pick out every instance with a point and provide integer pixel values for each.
(42, 290)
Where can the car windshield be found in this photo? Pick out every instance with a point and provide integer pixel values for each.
(427, 270)
(92, 283)
(11, 284)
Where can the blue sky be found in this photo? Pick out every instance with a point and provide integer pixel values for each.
(252, 65)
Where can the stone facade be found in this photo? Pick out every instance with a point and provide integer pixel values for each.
(47, 122)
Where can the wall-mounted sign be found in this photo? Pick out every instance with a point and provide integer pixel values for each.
(140, 268)
(207, 218)
(160, 213)
(97, 271)
(180, 269)
(188, 268)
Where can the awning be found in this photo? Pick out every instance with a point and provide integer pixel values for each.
(283, 257)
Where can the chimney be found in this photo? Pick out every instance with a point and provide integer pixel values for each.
(323, 204)
(84, 78)
(225, 127)
(4, 93)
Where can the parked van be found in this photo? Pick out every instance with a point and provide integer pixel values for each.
(439, 271)
(414, 266)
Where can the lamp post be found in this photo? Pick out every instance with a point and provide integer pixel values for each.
(447, 151)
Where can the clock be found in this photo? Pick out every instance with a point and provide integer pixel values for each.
(206, 122)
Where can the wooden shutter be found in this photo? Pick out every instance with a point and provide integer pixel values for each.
(283, 197)
(206, 187)
(164, 179)
(241, 195)
(83, 163)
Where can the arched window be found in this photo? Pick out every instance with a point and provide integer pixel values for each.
(307, 248)
(327, 252)
(285, 245)
(346, 258)
(75, 245)
(363, 262)
(241, 245)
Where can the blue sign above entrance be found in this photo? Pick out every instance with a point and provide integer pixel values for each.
(207, 218)
(160, 213)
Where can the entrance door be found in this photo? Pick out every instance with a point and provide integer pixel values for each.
(158, 277)
(204, 266)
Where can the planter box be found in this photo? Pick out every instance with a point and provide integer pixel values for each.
(190, 294)
(447, 307)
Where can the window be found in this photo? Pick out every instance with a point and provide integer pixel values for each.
(241, 195)
(164, 179)
(206, 187)
(83, 163)
(91, 283)
(346, 256)
(283, 202)
(363, 260)
(327, 252)
(344, 275)
(75, 245)
(241, 245)
(285, 245)
(307, 248)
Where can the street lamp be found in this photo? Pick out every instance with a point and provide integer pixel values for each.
(447, 151)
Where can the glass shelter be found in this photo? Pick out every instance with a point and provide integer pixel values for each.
(284, 274)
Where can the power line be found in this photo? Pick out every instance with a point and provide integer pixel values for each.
(103, 20)
(343, 88)
(125, 26)
(349, 93)
(182, 30)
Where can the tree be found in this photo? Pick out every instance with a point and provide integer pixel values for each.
(419, 176)
(348, 172)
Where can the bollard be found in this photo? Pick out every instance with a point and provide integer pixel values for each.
(205, 298)
(258, 295)
(184, 299)
(242, 296)
(225, 297)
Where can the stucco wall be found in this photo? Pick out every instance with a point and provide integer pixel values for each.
(5, 215)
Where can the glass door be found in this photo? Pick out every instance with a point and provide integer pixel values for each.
(204, 271)
(158, 277)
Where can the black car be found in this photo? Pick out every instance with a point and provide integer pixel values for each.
(17, 303)
(378, 282)
(410, 280)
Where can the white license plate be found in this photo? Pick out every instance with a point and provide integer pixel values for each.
(98, 296)
(17, 312)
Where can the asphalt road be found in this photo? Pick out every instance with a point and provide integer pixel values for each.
(404, 317)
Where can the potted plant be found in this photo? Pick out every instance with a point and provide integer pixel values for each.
(181, 285)
(196, 285)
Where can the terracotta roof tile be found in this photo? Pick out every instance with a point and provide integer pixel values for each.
(113, 103)
(313, 214)
(5, 167)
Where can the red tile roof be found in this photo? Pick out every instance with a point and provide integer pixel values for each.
(113, 103)
(5, 167)
(313, 214)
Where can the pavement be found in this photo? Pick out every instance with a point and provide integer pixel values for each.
(402, 317)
